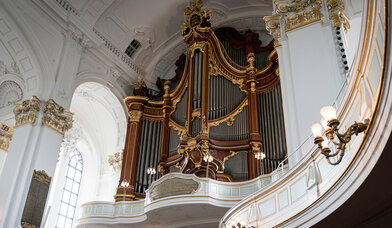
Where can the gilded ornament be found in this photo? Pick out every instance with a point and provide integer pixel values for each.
(134, 116)
(272, 24)
(26, 111)
(28, 225)
(180, 129)
(229, 119)
(337, 14)
(41, 176)
(56, 117)
(115, 161)
(303, 18)
(195, 16)
(6, 134)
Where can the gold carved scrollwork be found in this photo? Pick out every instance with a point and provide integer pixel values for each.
(195, 15)
(28, 225)
(41, 176)
(229, 119)
(115, 161)
(232, 154)
(272, 24)
(134, 116)
(304, 17)
(337, 15)
(180, 129)
(285, 7)
(256, 147)
(291, 15)
(56, 117)
(6, 134)
(26, 111)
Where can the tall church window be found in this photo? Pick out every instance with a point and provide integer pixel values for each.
(70, 193)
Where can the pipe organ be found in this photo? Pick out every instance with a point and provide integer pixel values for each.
(226, 104)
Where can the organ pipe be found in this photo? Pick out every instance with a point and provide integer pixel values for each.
(224, 104)
(271, 128)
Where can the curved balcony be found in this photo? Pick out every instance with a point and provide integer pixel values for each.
(184, 193)
(313, 189)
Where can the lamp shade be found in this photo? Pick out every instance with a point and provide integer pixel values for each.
(317, 129)
(328, 112)
(324, 144)
(324, 123)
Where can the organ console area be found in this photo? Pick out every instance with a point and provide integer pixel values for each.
(224, 104)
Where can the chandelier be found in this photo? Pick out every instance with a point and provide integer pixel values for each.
(330, 123)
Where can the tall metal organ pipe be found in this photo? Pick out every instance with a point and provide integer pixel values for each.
(271, 128)
(150, 148)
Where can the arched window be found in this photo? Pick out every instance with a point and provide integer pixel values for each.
(132, 48)
(70, 194)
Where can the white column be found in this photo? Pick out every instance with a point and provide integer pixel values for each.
(6, 134)
(34, 146)
(311, 67)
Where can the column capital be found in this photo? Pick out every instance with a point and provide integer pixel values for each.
(56, 117)
(135, 115)
(26, 111)
(6, 134)
(291, 15)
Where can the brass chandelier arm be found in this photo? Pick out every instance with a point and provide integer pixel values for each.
(331, 127)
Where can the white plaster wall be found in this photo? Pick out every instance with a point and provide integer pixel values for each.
(311, 78)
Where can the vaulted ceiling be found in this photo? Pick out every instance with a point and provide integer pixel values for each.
(156, 25)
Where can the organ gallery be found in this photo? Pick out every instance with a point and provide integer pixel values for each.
(220, 115)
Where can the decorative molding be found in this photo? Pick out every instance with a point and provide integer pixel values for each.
(67, 6)
(272, 24)
(10, 92)
(28, 225)
(120, 54)
(294, 14)
(337, 14)
(134, 116)
(230, 118)
(13, 68)
(304, 17)
(6, 134)
(70, 139)
(56, 117)
(115, 161)
(41, 176)
(26, 111)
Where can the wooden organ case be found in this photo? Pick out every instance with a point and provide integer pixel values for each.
(226, 104)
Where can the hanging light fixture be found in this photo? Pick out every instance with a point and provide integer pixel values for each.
(151, 171)
(208, 157)
(259, 155)
(330, 123)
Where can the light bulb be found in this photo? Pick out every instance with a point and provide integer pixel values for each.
(151, 171)
(324, 144)
(324, 123)
(328, 112)
(208, 157)
(317, 129)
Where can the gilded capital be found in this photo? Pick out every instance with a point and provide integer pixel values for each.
(26, 111)
(41, 176)
(56, 117)
(6, 134)
(134, 116)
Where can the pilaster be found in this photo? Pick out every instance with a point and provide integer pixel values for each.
(40, 126)
(312, 71)
(126, 187)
